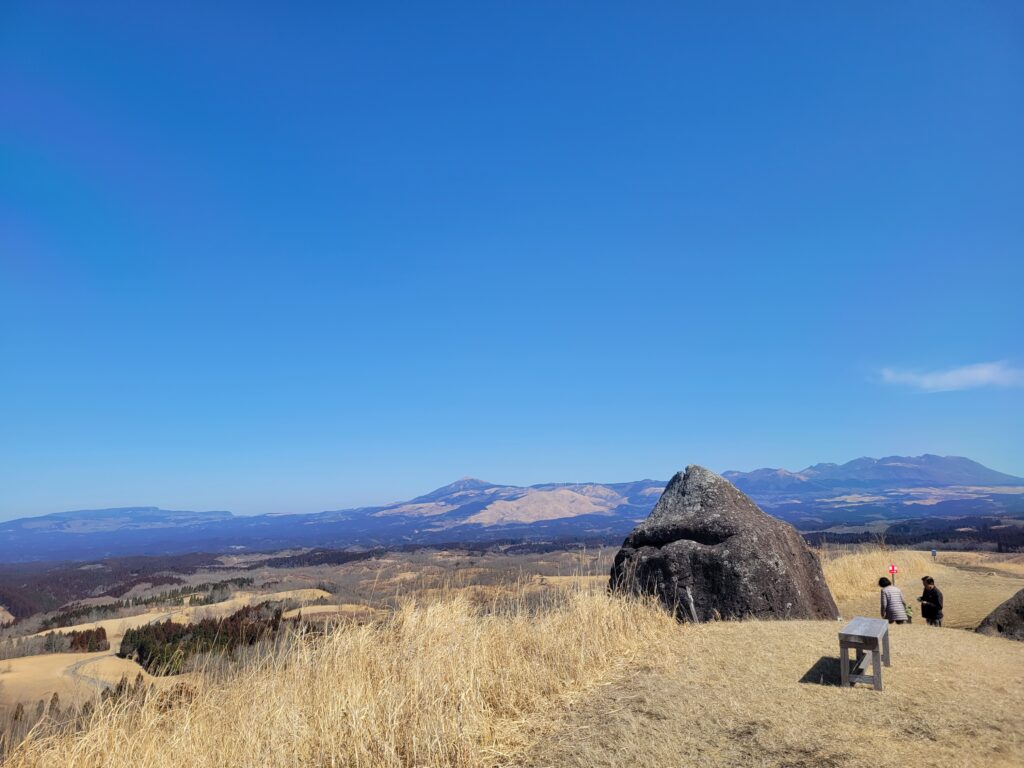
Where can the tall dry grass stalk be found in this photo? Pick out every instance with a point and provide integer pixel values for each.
(440, 684)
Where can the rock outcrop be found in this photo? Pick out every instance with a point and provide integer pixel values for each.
(708, 552)
(1007, 620)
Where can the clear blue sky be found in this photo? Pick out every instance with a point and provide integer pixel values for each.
(297, 257)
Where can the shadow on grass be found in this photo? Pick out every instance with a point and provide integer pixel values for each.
(824, 672)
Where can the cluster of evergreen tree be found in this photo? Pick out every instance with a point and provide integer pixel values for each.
(207, 593)
(163, 649)
(316, 557)
(80, 614)
(217, 592)
(84, 641)
(39, 587)
(20, 605)
(198, 594)
(967, 533)
(87, 640)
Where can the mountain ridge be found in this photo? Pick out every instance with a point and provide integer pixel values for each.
(474, 510)
(866, 471)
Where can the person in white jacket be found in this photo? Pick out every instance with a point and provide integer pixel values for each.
(894, 607)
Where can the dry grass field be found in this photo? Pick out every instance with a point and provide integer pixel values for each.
(78, 677)
(441, 684)
(69, 675)
(474, 661)
(359, 613)
(986, 562)
(972, 583)
(766, 694)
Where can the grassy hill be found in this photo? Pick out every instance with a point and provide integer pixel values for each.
(972, 583)
(573, 677)
(766, 694)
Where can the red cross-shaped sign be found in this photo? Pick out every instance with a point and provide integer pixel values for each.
(893, 569)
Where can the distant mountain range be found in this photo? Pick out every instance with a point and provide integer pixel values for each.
(895, 487)
(819, 497)
(877, 474)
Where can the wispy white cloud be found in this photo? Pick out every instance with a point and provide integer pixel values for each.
(997, 374)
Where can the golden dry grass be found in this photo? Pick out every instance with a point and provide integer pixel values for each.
(971, 589)
(77, 678)
(442, 684)
(117, 626)
(852, 573)
(350, 611)
(554, 672)
(762, 694)
(987, 562)
(573, 582)
(31, 678)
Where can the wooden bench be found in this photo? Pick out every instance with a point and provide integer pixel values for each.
(870, 639)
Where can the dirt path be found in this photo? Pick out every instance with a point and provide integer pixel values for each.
(32, 678)
(77, 677)
(74, 674)
(962, 562)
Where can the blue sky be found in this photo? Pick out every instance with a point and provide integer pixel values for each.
(282, 258)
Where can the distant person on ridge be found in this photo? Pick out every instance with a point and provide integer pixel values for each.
(931, 602)
(894, 607)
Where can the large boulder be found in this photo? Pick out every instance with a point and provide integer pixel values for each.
(1007, 620)
(708, 552)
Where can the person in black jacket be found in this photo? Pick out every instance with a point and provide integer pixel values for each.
(931, 602)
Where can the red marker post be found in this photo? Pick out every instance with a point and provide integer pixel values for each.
(893, 570)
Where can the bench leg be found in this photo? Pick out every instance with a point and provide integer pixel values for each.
(876, 668)
(844, 666)
(885, 649)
